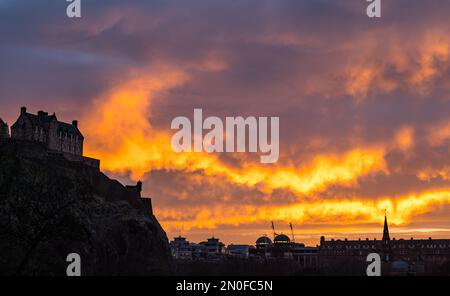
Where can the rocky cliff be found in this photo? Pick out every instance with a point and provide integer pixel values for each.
(50, 207)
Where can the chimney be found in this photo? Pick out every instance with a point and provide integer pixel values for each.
(23, 110)
(42, 113)
(75, 123)
(139, 186)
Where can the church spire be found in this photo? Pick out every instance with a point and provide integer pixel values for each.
(385, 229)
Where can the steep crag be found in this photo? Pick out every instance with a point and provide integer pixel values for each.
(50, 207)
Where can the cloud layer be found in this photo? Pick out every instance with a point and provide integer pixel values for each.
(363, 104)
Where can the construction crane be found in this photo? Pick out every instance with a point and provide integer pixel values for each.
(273, 228)
(292, 231)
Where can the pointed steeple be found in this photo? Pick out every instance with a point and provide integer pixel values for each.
(386, 229)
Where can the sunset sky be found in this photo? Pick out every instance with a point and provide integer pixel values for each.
(364, 107)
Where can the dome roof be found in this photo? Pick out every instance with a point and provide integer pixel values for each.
(282, 238)
(263, 240)
(399, 266)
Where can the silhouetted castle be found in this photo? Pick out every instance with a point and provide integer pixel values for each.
(42, 136)
(58, 138)
(44, 128)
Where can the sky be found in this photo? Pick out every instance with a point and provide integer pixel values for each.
(363, 104)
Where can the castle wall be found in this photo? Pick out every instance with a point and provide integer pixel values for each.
(92, 162)
(113, 191)
(63, 141)
(67, 144)
(147, 204)
(53, 143)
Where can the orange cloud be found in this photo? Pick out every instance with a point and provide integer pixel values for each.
(430, 173)
(416, 67)
(118, 129)
(363, 78)
(351, 211)
(439, 134)
(119, 133)
(404, 138)
(433, 54)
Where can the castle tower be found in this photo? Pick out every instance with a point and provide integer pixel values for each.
(386, 230)
(4, 130)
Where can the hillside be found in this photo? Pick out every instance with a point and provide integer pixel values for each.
(50, 207)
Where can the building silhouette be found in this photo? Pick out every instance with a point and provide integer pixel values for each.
(44, 128)
(413, 256)
(48, 137)
(211, 249)
(332, 257)
(284, 247)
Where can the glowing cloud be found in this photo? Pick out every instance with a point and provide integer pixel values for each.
(349, 212)
(119, 133)
(118, 129)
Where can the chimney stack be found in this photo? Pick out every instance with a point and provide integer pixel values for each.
(23, 110)
(75, 123)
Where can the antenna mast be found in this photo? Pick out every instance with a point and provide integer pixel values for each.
(292, 231)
